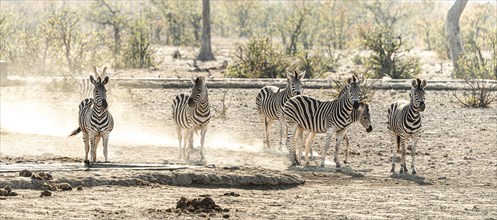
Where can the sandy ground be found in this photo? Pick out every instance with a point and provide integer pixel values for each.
(456, 161)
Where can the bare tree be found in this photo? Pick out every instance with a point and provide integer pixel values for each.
(454, 32)
(205, 46)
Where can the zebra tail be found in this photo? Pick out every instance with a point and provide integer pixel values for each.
(75, 132)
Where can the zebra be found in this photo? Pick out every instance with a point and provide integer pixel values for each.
(86, 87)
(95, 120)
(270, 101)
(318, 116)
(191, 112)
(404, 123)
(360, 115)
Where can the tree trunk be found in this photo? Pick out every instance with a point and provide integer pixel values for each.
(205, 45)
(454, 32)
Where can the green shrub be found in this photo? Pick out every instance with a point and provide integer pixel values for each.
(317, 64)
(389, 54)
(257, 58)
(138, 52)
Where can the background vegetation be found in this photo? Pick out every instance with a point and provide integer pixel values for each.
(63, 38)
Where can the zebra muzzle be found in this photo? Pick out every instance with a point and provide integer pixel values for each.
(104, 103)
(422, 106)
(191, 103)
(355, 105)
(369, 129)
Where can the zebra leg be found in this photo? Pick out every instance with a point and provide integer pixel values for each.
(413, 154)
(190, 143)
(282, 123)
(392, 150)
(290, 148)
(329, 134)
(403, 167)
(346, 137)
(202, 140)
(186, 139)
(93, 147)
(297, 141)
(97, 140)
(267, 127)
(339, 137)
(310, 138)
(178, 131)
(87, 147)
(105, 138)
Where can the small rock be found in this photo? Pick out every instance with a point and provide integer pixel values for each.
(12, 193)
(226, 216)
(46, 193)
(203, 215)
(4, 192)
(226, 210)
(232, 194)
(42, 176)
(65, 186)
(8, 189)
(25, 173)
(79, 188)
(169, 210)
(442, 178)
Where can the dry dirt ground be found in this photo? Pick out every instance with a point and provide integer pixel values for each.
(456, 162)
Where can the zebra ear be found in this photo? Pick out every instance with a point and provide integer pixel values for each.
(95, 70)
(414, 83)
(288, 75)
(301, 75)
(423, 84)
(103, 71)
(106, 80)
(92, 80)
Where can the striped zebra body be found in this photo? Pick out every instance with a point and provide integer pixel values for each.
(270, 100)
(315, 116)
(360, 115)
(95, 121)
(404, 123)
(190, 114)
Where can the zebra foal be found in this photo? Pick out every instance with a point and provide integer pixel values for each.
(270, 100)
(95, 120)
(404, 123)
(191, 112)
(315, 116)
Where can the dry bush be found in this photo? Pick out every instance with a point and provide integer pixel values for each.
(479, 74)
(389, 55)
(257, 59)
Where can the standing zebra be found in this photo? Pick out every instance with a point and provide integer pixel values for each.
(86, 87)
(404, 123)
(192, 113)
(270, 101)
(318, 116)
(95, 120)
(360, 115)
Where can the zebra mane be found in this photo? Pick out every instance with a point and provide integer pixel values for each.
(344, 89)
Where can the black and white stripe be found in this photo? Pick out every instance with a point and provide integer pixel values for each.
(95, 120)
(404, 123)
(360, 115)
(315, 116)
(270, 100)
(191, 112)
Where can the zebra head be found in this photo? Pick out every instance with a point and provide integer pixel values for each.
(197, 91)
(365, 117)
(294, 80)
(355, 91)
(418, 94)
(99, 91)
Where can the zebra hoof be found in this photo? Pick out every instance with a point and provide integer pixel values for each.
(321, 165)
(414, 172)
(345, 162)
(87, 163)
(392, 170)
(338, 165)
